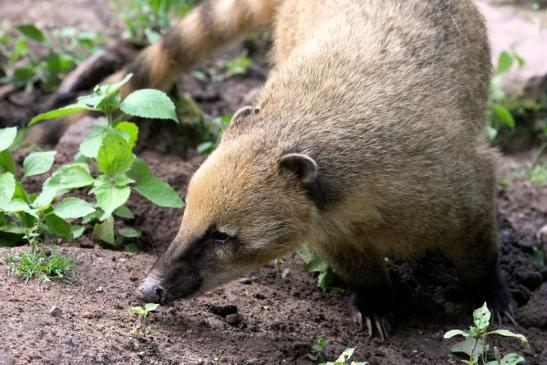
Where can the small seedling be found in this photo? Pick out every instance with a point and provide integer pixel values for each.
(475, 348)
(280, 267)
(326, 279)
(318, 349)
(142, 314)
(344, 358)
(238, 66)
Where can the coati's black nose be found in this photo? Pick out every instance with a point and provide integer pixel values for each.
(150, 291)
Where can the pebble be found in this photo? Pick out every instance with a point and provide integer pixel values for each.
(99, 289)
(55, 311)
(234, 319)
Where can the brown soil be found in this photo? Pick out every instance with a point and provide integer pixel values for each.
(262, 318)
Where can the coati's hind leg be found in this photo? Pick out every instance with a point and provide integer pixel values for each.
(207, 27)
(372, 296)
(476, 262)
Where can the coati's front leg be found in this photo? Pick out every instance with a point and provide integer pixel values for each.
(372, 296)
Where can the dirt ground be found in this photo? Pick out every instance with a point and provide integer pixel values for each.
(261, 318)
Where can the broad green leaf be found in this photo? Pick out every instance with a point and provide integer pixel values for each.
(149, 103)
(109, 196)
(133, 248)
(508, 333)
(505, 62)
(16, 205)
(12, 229)
(509, 359)
(32, 32)
(138, 311)
(7, 136)
(6, 162)
(73, 208)
(58, 226)
(115, 156)
(7, 188)
(481, 317)
(66, 178)
(503, 115)
(453, 333)
(316, 264)
(90, 146)
(152, 188)
(151, 307)
(130, 132)
(58, 113)
(346, 355)
(124, 212)
(467, 346)
(77, 231)
(122, 180)
(159, 192)
(105, 231)
(304, 252)
(129, 232)
(38, 163)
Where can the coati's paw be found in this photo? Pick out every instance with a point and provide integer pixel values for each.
(376, 320)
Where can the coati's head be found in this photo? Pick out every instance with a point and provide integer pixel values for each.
(246, 205)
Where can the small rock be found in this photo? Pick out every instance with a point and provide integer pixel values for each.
(246, 280)
(99, 289)
(223, 310)
(215, 323)
(234, 319)
(55, 311)
(6, 359)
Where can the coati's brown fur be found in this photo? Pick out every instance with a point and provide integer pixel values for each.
(365, 141)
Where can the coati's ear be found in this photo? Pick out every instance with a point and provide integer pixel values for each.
(303, 166)
(245, 112)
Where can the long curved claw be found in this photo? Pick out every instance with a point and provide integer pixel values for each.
(510, 315)
(369, 326)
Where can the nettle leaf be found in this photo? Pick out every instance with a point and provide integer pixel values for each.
(503, 115)
(508, 333)
(59, 113)
(109, 196)
(58, 226)
(38, 163)
(124, 212)
(453, 333)
(151, 307)
(6, 162)
(7, 188)
(73, 208)
(7, 136)
(152, 188)
(509, 359)
(16, 205)
(129, 131)
(149, 103)
(68, 177)
(129, 232)
(90, 146)
(105, 231)
(115, 156)
(505, 62)
(481, 317)
(77, 231)
(32, 32)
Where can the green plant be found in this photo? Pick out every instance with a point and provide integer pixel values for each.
(33, 56)
(280, 267)
(142, 314)
(318, 349)
(326, 279)
(500, 114)
(48, 265)
(238, 66)
(145, 19)
(475, 348)
(344, 358)
(109, 150)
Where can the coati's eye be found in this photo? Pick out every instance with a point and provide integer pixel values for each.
(219, 237)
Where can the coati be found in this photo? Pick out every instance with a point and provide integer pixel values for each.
(366, 141)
